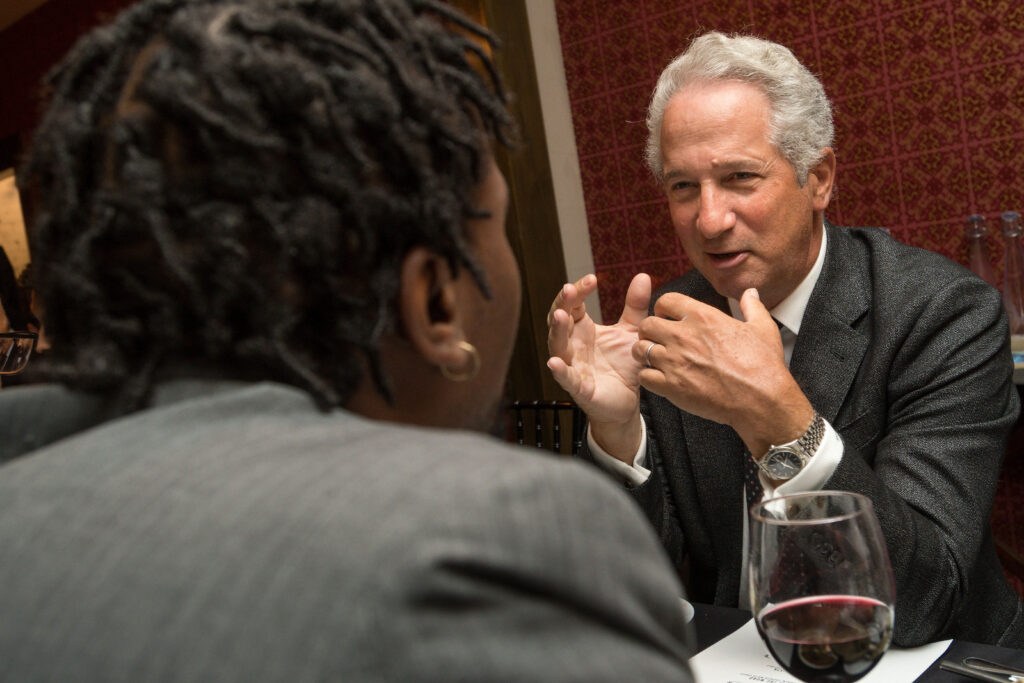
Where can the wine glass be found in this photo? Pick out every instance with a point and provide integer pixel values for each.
(821, 586)
(15, 348)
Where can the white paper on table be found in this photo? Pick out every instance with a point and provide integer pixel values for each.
(742, 657)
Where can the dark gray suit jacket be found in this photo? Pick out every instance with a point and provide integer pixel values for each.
(235, 533)
(906, 354)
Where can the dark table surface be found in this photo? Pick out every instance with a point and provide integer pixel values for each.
(712, 623)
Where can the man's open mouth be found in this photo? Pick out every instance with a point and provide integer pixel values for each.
(727, 258)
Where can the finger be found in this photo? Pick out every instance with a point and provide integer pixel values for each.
(566, 377)
(754, 313)
(559, 331)
(638, 300)
(572, 295)
(586, 285)
(645, 352)
(582, 288)
(562, 299)
(675, 306)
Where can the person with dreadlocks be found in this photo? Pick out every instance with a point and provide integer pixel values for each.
(269, 240)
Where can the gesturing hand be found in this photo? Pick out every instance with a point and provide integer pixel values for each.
(594, 363)
(712, 365)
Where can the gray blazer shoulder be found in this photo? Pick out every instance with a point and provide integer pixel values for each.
(240, 534)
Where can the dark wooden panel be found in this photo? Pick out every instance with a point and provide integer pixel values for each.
(533, 217)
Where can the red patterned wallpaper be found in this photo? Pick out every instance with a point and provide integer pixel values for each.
(928, 98)
(31, 46)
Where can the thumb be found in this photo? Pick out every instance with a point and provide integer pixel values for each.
(756, 314)
(638, 300)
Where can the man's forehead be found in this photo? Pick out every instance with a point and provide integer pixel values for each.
(725, 92)
(717, 127)
(724, 109)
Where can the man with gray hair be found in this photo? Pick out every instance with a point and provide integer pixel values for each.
(796, 355)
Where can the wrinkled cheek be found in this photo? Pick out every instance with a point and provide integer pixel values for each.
(683, 222)
(684, 227)
(689, 245)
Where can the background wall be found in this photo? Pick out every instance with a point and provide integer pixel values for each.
(29, 48)
(929, 109)
(563, 156)
(34, 34)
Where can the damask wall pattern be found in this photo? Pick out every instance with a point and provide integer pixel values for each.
(929, 109)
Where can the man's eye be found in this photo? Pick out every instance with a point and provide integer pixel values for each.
(743, 175)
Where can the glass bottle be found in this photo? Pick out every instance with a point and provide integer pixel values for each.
(978, 260)
(1013, 271)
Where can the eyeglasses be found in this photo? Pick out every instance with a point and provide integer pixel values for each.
(15, 348)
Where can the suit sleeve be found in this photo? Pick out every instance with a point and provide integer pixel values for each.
(587, 595)
(652, 494)
(932, 470)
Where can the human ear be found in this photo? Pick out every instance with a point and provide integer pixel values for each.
(428, 308)
(821, 178)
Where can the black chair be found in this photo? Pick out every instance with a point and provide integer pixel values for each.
(546, 424)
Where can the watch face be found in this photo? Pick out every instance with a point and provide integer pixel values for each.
(783, 464)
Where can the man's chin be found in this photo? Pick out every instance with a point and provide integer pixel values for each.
(730, 288)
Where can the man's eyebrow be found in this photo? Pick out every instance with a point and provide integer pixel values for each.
(727, 165)
(733, 164)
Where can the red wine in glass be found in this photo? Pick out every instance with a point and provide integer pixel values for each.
(821, 585)
(827, 638)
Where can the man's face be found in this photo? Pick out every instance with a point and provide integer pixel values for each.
(736, 206)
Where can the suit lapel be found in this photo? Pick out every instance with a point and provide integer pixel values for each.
(828, 349)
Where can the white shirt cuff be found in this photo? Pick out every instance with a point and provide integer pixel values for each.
(631, 476)
(818, 470)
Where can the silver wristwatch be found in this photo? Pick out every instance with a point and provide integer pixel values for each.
(785, 462)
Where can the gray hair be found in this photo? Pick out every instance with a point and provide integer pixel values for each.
(801, 119)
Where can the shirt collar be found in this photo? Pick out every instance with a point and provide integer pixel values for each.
(790, 311)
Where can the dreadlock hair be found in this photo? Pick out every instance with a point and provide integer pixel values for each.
(237, 182)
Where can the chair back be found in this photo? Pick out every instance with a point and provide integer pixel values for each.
(554, 425)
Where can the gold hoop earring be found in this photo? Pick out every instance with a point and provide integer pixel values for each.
(474, 364)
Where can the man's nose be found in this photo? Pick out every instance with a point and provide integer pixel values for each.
(715, 215)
